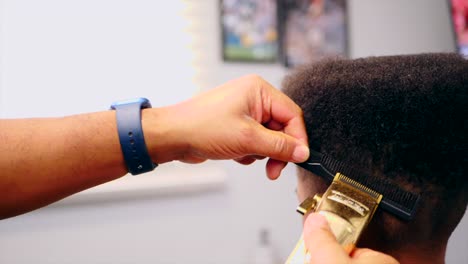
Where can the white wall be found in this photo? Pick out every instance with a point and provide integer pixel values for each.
(64, 57)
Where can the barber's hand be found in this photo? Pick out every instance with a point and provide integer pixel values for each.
(245, 119)
(323, 247)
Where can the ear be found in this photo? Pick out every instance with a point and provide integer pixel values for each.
(309, 184)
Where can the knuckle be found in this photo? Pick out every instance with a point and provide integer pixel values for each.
(281, 145)
(299, 111)
(253, 78)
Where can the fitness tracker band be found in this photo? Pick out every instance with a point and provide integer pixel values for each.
(132, 141)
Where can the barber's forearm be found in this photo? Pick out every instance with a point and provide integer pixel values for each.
(44, 160)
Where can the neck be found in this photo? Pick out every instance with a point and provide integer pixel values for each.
(432, 255)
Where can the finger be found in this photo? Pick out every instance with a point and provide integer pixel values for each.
(296, 128)
(320, 241)
(245, 160)
(283, 110)
(276, 145)
(274, 125)
(365, 255)
(258, 157)
(274, 168)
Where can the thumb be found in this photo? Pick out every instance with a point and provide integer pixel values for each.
(320, 241)
(323, 247)
(279, 146)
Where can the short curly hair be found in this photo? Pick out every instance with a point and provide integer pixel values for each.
(402, 117)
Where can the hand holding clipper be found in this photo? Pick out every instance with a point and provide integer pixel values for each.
(348, 207)
(323, 247)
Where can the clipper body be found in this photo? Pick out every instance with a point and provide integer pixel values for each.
(348, 207)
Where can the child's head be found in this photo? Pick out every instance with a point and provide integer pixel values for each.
(398, 117)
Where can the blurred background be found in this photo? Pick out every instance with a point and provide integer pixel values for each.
(67, 57)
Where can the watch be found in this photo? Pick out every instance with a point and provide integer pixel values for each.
(132, 141)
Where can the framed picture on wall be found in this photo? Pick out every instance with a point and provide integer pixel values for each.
(311, 30)
(249, 30)
(459, 14)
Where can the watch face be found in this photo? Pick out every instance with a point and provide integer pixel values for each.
(143, 102)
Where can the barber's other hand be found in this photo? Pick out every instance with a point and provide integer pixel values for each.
(245, 119)
(323, 247)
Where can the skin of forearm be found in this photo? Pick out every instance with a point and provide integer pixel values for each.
(45, 160)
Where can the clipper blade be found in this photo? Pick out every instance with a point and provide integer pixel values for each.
(395, 200)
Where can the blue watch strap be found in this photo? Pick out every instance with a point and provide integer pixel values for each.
(132, 140)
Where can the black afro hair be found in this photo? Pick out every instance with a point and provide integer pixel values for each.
(397, 115)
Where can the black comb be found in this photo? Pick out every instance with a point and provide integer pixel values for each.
(395, 200)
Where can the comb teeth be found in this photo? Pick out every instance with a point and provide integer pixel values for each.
(395, 200)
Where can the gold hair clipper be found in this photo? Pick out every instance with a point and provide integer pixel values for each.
(348, 207)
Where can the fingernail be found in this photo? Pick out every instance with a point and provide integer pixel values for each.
(300, 154)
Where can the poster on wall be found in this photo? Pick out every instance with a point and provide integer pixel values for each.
(249, 30)
(460, 24)
(311, 30)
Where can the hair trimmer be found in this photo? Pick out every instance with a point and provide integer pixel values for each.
(349, 203)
